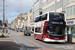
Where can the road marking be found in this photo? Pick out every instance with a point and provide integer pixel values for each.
(30, 40)
(20, 39)
(48, 49)
(17, 34)
(33, 42)
(23, 48)
(7, 40)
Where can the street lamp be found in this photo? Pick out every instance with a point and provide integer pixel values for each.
(3, 15)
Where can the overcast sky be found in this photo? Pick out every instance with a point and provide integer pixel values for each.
(15, 7)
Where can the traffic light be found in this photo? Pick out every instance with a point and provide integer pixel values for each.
(0, 22)
(5, 24)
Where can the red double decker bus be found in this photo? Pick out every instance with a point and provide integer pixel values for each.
(50, 27)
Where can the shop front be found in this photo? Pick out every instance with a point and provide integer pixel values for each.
(70, 21)
(71, 31)
(32, 26)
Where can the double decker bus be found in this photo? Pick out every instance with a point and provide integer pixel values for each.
(50, 27)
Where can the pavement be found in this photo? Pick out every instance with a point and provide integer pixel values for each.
(7, 43)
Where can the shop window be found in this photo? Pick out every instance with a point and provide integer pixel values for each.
(73, 31)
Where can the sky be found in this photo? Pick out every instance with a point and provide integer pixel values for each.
(14, 7)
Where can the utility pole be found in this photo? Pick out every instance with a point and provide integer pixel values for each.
(3, 15)
(28, 21)
(3, 12)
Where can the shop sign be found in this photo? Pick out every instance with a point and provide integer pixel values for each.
(70, 22)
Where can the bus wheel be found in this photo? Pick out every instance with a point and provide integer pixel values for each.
(42, 38)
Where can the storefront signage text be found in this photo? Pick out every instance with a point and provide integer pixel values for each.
(70, 22)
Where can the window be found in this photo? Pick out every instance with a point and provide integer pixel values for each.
(44, 17)
(66, 12)
(48, 2)
(51, 8)
(59, 4)
(73, 10)
(70, 10)
(38, 29)
(41, 18)
(37, 19)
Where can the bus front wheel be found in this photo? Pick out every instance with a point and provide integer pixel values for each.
(42, 38)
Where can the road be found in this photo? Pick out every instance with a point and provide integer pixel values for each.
(29, 43)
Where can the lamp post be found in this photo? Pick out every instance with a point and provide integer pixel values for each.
(3, 15)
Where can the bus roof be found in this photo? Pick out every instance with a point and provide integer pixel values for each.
(49, 12)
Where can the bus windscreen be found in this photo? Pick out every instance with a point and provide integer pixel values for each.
(56, 19)
(56, 24)
(56, 16)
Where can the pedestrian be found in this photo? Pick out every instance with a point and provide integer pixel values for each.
(6, 31)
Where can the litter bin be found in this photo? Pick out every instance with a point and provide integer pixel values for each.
(69, 38)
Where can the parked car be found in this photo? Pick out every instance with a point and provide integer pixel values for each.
(27, 32)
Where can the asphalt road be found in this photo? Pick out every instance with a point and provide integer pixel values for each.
(29, 43)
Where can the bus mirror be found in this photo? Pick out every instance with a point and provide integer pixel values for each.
(45, 30)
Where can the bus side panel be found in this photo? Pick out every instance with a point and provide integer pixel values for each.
(38, 36)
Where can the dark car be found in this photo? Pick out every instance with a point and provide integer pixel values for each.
(27, 32)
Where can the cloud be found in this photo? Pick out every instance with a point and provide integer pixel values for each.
(15, 7)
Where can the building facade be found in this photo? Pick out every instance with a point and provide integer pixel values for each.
(31, 22)
(19, 21)
(70, 19)
(43, 6)
(54, 5)
(36, 9)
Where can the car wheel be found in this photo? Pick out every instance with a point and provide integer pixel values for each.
(29, 34)
(25, 34)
